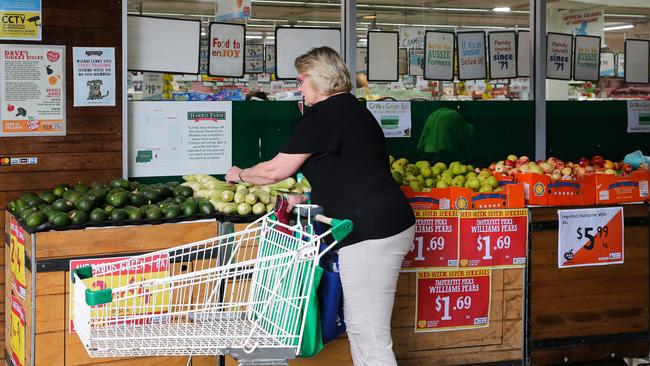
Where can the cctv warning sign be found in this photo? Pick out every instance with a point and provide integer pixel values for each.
(20, 20)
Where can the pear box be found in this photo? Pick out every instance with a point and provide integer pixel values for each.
(535, 188)
(436, 199)
(618, 189)
(575, 192)
(510, 196)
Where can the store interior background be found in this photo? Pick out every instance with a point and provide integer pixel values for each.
(623, 19)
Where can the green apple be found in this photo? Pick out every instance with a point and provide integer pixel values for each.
(485, 188)
(492, 181)
(429, 182)
(458, 181)
(484, 173)
(441, 165)
(474, 183)
(415, 186)
(426, 172)
(442, 184)
(422, 163)
(437, 169)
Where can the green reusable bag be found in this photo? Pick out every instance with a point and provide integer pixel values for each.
(312, 338)
(446, 136)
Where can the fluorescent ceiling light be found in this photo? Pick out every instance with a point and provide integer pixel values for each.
(502, 9)
(253, 37)
(625, 15)
(618, 27)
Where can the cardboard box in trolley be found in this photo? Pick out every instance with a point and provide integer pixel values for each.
(577, 192)
(618, 189)
(535, 188)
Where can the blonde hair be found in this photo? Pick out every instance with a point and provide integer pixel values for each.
(326, 69)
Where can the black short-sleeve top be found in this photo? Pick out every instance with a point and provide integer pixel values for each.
(348, 168)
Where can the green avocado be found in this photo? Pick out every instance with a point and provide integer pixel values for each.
(59, 219)
(119, 214)
(97, 215)
(26, 212)
(205, 207)
(48, 197)
(34, 201)
(78, 217)
(61, 189)
(85, 204)
(63, 205)
(35, 219)
(97, 185)
(118, 199)
(154, 213)
(188, 209)
(171, 211)
(80, 187)
(120, 183)
(138, 199)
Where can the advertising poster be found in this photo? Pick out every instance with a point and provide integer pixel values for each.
(586, 65)
(436, 240)
(607, 64)
(453, 300)
(584, 22)
(439, 56)
(151, 267)
(226, 50)
(254, 58)
(233, 9)
(472, 64)
(269, 59)
(411, 37)
(21, 20)
(503, 55)
(559, 51)
(638, 116)
(416, 62)
(32, 84)
(590, 237)
(94, 76)
(393, 117)
(493, 238)
(179, 138)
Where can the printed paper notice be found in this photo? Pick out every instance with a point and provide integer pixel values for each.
(21, 20)
(559, 49)
(179, 138)
(638, 116)
(453, 299)
(393, 117)
(32, 84)
(94, 76)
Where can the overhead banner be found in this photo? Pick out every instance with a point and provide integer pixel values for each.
(453, 300)
(436, 239)
(416, 62)
(233, 9)
(559, 50)
(226, 50)
(636, 60)
(523, 54)
(590, 237)
(411, 37)
(439, 50)
(607, 64)
(269, 59)
(32, 84)
(21, 20)
(503, 54)
(169, 139)
(638, 117)
(493, 238)
(472, 63)
(584, 22)
(586, 64)
(254, 58)
(393, 117)
(94, 76)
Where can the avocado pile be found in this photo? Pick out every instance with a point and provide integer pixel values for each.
(120, 201)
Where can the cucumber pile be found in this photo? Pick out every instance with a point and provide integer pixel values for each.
(98, 203)
(242, 199)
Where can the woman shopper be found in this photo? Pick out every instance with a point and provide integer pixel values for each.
(339, 146)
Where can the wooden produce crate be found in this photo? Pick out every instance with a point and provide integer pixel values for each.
(501, 342)
(583, 314)
(47, 337)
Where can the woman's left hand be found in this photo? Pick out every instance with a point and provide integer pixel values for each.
(233, 174)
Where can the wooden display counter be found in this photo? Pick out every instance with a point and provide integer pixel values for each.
(47, 337)
(588, 313)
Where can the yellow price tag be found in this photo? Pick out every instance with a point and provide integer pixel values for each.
(17, 257)
(17, 336)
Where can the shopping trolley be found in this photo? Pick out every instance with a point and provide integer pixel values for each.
(243, 294)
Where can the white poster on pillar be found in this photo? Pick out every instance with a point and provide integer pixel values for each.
(226, 50)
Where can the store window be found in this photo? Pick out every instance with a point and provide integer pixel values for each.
(419, 24)
(260, 80)
(606, 27)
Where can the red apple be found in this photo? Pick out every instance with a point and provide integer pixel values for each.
(491, 167)
(510, 163)
(567, 171)
(589, 169)
(583, 162)
(579, 171)
(627, 168)
(559, 165)
(10, 108)
(524, 159)
(552, 160)
(556, 175)
(514, 172)
(512, 158)
(547, 167)
(539, 162)
(597, 160)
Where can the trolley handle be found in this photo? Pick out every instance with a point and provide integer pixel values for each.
(340, 228)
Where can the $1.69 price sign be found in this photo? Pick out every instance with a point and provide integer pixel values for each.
(493, 238)
(436, 240)
(453, 299)
(590, 237)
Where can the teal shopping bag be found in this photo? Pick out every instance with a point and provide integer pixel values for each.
(312, 337)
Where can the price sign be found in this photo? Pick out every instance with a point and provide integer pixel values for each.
(453, 299)
(152, 84)
(17, 251)
(436, 240)
(590, 237)
(17, 336)
(493, 238)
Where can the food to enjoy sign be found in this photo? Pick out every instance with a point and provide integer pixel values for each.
(226, 50)
(453, 299)
(493, 238)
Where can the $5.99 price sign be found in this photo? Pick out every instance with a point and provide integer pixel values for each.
(17, 257)
(590, 237)
(436, 240)
(453, 299)
(17, 335)
(493, 238)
